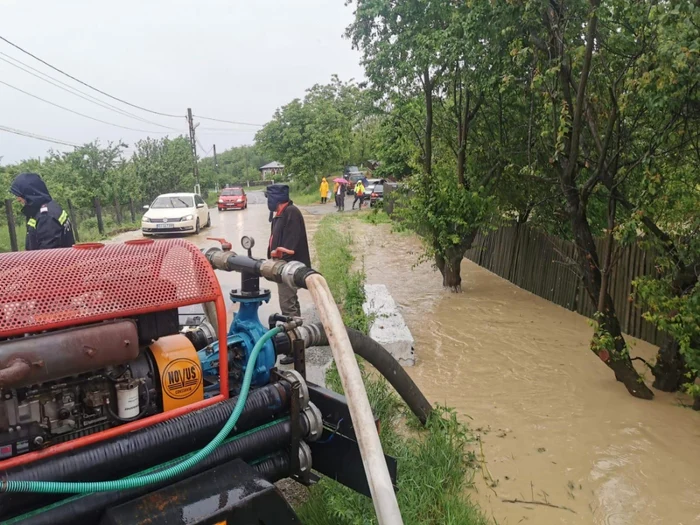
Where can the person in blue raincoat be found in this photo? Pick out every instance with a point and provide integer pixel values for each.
(48, 225)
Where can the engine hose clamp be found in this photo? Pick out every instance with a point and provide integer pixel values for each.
(288, 272)
(292, 376)
(305, 458)
(315, 420)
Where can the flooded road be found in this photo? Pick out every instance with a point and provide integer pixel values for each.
(555, 426)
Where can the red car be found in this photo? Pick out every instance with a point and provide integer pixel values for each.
(232, 199)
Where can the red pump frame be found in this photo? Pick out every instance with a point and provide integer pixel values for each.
(62, 288)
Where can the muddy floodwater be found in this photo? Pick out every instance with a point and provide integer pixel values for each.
(555, 427)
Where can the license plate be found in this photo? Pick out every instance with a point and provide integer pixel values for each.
(162, 226)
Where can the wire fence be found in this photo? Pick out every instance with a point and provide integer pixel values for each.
(102, 219)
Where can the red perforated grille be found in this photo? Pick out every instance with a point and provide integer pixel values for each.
(57, 288)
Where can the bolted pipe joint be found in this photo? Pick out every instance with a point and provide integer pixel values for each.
(314, 420)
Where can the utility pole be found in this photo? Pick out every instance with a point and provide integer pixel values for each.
(193, 143)
(216, 162)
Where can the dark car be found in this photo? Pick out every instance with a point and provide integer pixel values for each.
(377, 195)
(232, 199)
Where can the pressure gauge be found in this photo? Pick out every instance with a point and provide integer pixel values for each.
(247, 242)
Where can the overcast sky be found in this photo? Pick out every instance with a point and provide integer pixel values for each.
(232, 59)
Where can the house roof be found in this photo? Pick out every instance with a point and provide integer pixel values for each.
(271, 165)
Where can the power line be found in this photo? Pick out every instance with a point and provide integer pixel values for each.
(76, 112)
(37, 137)
(204, 150)
(222, 120)
(88, 85)
(80, 94)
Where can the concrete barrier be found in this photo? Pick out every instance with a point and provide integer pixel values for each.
(388, 327)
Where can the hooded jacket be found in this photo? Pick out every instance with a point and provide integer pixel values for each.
(324, 187)
(48, 225)
(288, 228)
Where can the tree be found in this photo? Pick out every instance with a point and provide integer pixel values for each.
(163, 165)
(441, 54)
(313, 137)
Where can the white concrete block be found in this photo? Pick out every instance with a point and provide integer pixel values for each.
(388, 328)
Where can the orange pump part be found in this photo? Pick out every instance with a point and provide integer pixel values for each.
(179, 370)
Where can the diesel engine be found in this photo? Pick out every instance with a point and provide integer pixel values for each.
(66, 384)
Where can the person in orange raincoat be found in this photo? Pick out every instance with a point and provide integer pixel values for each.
(324, 190)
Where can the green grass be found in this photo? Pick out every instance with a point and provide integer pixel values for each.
(335, 259)
(375, 216)
(305, 197)
(434, 467)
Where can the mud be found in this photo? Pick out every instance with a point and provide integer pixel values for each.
(555, 427)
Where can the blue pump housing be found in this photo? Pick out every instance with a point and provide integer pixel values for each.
(244, 331)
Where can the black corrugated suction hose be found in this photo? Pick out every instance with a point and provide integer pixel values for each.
(87, 509)
(379, 358)
(124, 455)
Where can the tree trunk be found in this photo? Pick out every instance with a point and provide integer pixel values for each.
(450, 264)
(451, 270)
(619, 361)
(428, 132)
(670, 369)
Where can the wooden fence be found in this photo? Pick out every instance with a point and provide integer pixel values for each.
(542, 264)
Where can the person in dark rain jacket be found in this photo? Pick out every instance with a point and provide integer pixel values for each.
(48, 225)
(288, 241)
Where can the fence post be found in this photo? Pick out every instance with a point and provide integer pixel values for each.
(117, 210)
(11, 225)
(73, 221)
(131, 209)
(98, 213)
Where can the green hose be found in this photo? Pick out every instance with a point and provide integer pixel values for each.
(61, 487)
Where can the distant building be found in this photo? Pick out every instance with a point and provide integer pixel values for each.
(271, 170)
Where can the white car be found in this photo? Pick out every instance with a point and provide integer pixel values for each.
(175, 213)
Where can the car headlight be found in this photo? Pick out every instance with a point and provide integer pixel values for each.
(221, 201)
(146, 219)
(187, 218)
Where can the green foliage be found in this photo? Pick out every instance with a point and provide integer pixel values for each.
(313, 137)
(238, 164)
(446, 214)
(334, 253)
(434, 468)
(156, 166)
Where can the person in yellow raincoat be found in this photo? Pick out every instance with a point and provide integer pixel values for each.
(324, 190)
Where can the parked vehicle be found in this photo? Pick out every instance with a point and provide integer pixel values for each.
(376, 196)
(232, 199)
(175, 213)
(350, 169)
(371, 183)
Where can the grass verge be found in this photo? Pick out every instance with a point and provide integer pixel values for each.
(434, 467)
(334, 253)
